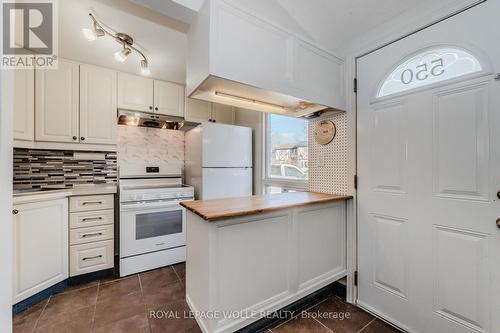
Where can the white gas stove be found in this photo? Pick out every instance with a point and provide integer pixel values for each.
(152, 222)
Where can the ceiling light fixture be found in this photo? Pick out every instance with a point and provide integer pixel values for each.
(125, 40)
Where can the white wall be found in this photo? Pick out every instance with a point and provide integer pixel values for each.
(6, 121)
(253, 119)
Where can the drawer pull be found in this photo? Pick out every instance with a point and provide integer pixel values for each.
(91, 219)
(92, 235)
(89, 258)
(92, 203)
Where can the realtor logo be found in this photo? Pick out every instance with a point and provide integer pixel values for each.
(29, 34)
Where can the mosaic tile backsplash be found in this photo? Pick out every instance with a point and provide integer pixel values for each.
(61, 169)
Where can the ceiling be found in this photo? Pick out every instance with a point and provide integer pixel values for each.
(159, 26)
(161, 38)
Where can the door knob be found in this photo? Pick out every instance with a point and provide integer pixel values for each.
(498, 222)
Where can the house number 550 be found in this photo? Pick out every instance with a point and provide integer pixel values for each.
(423, 71)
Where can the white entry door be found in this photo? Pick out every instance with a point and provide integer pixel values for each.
(429, 173)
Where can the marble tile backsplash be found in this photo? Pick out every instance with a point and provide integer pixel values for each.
(149, 146)
(36, 169)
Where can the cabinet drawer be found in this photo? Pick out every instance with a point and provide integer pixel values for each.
(90, 234)
(91, 202)
(90, 219)
(90, 257)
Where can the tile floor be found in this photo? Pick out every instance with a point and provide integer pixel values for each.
(123, 305)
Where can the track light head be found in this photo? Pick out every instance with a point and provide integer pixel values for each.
(145, 68)
(92, 34)
(122, 55)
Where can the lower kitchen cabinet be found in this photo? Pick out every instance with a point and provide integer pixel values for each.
(40, 246)
(91, 257)
(91, 235)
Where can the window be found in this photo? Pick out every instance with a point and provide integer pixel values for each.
(428, 67)
(286, 154)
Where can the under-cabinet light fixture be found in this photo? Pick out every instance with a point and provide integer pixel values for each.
(125, 41)
(250, 100)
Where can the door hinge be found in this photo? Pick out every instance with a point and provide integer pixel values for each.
(355, 182)
(356, 278)
(355, 85)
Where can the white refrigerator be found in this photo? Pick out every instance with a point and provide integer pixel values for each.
(219, 161)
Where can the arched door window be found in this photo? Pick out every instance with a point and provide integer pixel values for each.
(428, 67)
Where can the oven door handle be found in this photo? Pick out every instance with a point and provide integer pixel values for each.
(153, 204)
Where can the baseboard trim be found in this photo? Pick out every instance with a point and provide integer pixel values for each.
(289, 311)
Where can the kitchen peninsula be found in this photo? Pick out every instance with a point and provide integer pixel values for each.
(257, 254)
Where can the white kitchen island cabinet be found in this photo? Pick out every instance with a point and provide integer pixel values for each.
(246, 256)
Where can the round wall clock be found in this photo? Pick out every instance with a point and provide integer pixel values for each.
(325, 132)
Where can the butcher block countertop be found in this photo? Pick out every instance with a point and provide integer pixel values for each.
(220, 209)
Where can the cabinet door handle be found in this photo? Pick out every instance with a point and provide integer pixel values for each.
(92, 203)
(95, 257)
(498, 222)
(92, 235)
(82, 138)
(91, 219)
(75, 137)
(15, 211)
(151, 108)
(156, 108)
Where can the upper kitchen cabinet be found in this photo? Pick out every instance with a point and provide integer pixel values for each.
(97, 105)
(56, 103)
(143, 94)
(169, 98)
(24, 104)
(239, 59)
(75, 103)
(199, 111)
(135, 92)
(222, 113)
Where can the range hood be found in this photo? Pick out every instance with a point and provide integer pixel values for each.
(153, 120)
(237, 58)
(223, 91)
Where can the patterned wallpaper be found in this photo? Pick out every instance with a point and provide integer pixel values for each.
(140, 145)
(328, 164)
(60, 169)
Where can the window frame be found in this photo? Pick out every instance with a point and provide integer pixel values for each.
(267, 180)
